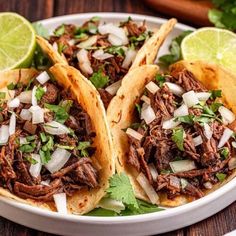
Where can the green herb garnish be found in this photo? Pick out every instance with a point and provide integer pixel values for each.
(160, 79)
(99, 80)
(11, 86)
(82, 147)
(2, 95)
(224, 152)
(178, 138)
(60, 112)
(138, 107)
(116, 50)
(27, 148)
(216, 94)
(39, 93)
(60, 30)
(31, 160)
(220, 176)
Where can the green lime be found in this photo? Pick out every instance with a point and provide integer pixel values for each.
(17, 41)
(211, 45)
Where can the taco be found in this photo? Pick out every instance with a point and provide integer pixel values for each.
(104, 52)
(174, 133)
(54, 153)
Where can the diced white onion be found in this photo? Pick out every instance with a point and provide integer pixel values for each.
(113, 88)
(232, 163)
(134, 134)
(88, 43)
(58, 160)
(225, 137)
(207, 131)
(114, 30)
(111, 204)
(148, 189)
(182, 165)
(60, 202)
(175, 182)
(34, 99)
(114, 40)
(181, 111)
(55, 128)
(37, 114)
(4, 134)
(12, 124)
(183, 183)
(146, 99)
(197, 140)
(227, 115)
(46, 182)
(35, 169)
(190, 98)
(153, 171)
(23, 141)
(100, 55)
(203, 96)
(148, 114)
(84, 62)
(208, 185)
(233, 144)
(170, 124)
(25, 97)
(72, 42)
(175, 89)
(152, 87)
(9, 94)
(25, 114)
(13, 103)
(43, 77)
(55, 46)
(129, 58)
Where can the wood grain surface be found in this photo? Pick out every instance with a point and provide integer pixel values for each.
(34, 10)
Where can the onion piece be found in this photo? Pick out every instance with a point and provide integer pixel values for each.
(25, 97)
(35, 169)
(111, 204)
(46, 182)
(225, 137)
(233, 144)
(183, 183)
(182, 165)
(146, 99)
(197, 140)
(60, 202)
(58, 160)
(170, 124)
(113, 88)
(208, 185)
(148, 114)
(55, 46)
(203, 96)
(100, 55)
(25, 114)
(4, 134)
(134, 134)
(207, 131)
(232, 163)
(55, 128)
(152, 87)
(114, 40)
(175, 89)
(34, 99)
(174, 182)
(84, 62)
(190, 98)
(14, 103)
(12, 124)
(37, 114)
(129, 58)
(114, 30)
(88, 43)
(181, 111)
(153, 171)
(23, 141)
(43, 77)
(227, 115)
(148, 189)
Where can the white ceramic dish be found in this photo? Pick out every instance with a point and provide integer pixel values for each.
(148, 224)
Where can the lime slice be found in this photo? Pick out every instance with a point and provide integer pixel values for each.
(211, 45)
(17, 41)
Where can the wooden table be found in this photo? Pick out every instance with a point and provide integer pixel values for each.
(34, 10)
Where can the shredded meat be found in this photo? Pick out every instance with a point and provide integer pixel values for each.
(105, 96)
(51, 94)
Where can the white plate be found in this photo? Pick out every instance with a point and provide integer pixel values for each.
(148, 224)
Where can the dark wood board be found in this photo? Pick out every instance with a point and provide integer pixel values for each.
(34, 10)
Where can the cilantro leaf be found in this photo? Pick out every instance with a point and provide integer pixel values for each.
(60, 30)
(45, 156)
(60, 112)
(40, 30)
(160, 79)
(138, 107)
(11, 86)
(188, 119)
(99, 80)
(215, 106)
(224, 152)
(39, 93)
(82, 147)
(116, 50)
(178, 138)
(2, 95)
(27, 148)
(216, 94)
(220, 176)
(121, 189)
(30, 160)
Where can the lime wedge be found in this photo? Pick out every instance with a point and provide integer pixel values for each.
(211, 45)
(17, 41)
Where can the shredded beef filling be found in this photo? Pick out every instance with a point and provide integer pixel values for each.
(158, 148)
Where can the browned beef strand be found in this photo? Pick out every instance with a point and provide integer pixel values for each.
(190, 149)
(102, 41)
(51, 94)
(193, 191)
(134, 29)
(105, 96)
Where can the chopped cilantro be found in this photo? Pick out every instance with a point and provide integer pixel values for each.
(65, 147)
(120, 189)
(116, 50)
(27, 148)
(160, 79)
(60, 30)
(208, 111)
(61, 47)
(66, 104)
(224, 152)
(45, 156)
(39, 93)
(30, 138)
(141, 37)
(188, 119)
(178, 138)
(220, 176)
(49, 145)
(11, 86)
(60, 112)
(99, 80)
(43, 137)
(30, 160)
(40, 30)
(82, 147)
(2, 95)
(216, 94)
(138, 107)
(29, 84)
(215, 106)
